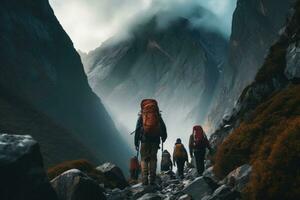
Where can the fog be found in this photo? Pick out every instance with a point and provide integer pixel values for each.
(182, 98)
(90, 22)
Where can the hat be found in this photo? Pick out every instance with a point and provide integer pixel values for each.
(178, 140)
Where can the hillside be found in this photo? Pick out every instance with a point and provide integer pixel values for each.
(40, 67)
(255, 27)
(265, 128)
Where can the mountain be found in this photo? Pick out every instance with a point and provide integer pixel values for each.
(42, 78)
(255, 27)
(264, 130)
(177, 64)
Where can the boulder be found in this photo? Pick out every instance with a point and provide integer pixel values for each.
(75, 185)
(238, 178)
(185, 197)
(21, 170)
(224, 192)
(197, 189)
(139, 190)
(191, 173)
(114, 174)
(150, 196)
(209, 174)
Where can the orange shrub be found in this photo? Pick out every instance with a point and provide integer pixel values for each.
(277, 175)
(270, 142)
(82, 165)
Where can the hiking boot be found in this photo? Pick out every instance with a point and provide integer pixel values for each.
(145, 181)
(152, 180)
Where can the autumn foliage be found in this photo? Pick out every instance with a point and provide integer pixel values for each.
(270, 141)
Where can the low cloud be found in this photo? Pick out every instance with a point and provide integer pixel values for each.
(91, 22)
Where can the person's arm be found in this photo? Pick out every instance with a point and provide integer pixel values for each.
(191, 144)
(163, 130)
(137, 135)
(174, 159)
(187, 156)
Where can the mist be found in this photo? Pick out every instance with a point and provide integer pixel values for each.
(91, 22)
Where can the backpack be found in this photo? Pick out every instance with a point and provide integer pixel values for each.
(134, 163)
(199, 138)
(179, 151)
(165, 158)
(150, 117)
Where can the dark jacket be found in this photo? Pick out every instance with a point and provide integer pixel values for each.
(202, 148)
(139, 136)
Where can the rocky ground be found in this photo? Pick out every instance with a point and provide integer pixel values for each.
(21, 164)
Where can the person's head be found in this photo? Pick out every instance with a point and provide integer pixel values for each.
(165, 151)
(198, 128)
(178, 141)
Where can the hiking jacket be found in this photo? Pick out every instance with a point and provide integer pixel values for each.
(192, 148)
(186, 158)
(166, 159)
(140, 136)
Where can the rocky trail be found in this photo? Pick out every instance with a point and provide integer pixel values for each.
(21, 163)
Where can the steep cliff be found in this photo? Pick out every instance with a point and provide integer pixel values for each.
(40, 67)
(265, 129)
(255, 27)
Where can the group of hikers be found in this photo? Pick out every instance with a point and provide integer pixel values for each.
(150, 132)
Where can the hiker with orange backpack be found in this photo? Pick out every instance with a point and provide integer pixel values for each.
(150, 129)
(197, 145)
(134, 168)
(180, 156)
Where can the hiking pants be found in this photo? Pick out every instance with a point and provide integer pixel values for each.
(199, 157)
(180, 167)
(149, 161)
(165, 167)
(134, 174)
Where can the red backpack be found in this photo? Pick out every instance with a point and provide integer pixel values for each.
(150, 116)
(199, 137)
(134, 163)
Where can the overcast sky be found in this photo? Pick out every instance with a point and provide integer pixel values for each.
(91, 22)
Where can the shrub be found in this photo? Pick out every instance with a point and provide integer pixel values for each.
(82, 165)
(270, 142)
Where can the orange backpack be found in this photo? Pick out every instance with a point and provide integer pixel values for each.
(151, 117)
(179, 151)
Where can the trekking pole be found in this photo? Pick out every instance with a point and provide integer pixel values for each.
(162, 147)
(135, 130)
(138, 151)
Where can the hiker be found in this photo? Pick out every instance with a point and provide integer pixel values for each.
(197, 145)
(150, 129)
(180, 156)
(134, 168)
(166, 162)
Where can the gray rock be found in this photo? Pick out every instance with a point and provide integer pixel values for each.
(114, 174)
(239, 177)
(192, 173)
(197, 188)
(185, 197)
(209, 173)
(21, 170)
(293, 62)
(150, 196)
(224, 192)
(75, 185)
(141, 190)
